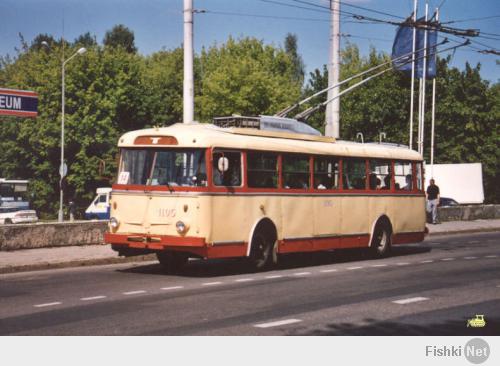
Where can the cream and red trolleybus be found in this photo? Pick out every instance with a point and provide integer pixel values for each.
(258, 187)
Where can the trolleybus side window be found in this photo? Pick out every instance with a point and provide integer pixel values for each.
(354, 173)
(419, 176)
(380, 174)
(232, 176)
(403, 175)
(326, 172)
(262, 170)
(295, 172)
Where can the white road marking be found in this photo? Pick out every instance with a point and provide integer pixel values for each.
(379, 265)
(277, 323)
(93, 298)
(134, 292)
(244, 279)
(491, 256)
(302, 273)
(274, 276)
(410, 300)
(211, 283)
(47, 304)
(470, 257)
(448, 259)
(402, 264)
(172, 288)
(328, 270)
(427, 261)
(352, 268)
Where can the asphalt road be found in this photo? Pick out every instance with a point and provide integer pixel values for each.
(430, 288)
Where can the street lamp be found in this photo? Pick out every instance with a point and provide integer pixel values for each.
(62, 168)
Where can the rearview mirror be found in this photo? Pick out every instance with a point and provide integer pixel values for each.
(223, 164)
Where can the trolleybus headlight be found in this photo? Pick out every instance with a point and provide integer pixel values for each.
(113, 222)
(181, 227)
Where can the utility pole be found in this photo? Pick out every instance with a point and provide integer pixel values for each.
(424, 78)
(415, 8)
(433, 110)
(188, 96)
(333, 108)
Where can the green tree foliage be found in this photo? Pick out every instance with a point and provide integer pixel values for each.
(245, 77)
(120, 36)
(291, 48)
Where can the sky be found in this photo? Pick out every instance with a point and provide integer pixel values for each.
(157, 24)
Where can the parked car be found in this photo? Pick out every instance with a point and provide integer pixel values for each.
(446, 202)
(99, 209)
(14, 215)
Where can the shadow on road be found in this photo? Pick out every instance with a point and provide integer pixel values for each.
(227, 267)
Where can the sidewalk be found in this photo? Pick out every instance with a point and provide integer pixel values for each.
(45, 258)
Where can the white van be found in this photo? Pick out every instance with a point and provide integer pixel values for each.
(99, 208)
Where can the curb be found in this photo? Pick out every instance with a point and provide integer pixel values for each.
(77, 263)
(467, 231)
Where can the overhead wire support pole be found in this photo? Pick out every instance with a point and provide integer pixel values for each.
(415, 8)
(332, 122)
(433, 111)
(424, 77)
(188, 85)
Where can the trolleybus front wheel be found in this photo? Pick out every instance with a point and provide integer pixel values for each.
(262, 254)
(172, 262)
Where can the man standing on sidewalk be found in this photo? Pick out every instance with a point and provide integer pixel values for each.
(433, 200)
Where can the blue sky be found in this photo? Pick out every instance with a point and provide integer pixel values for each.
(157, 24)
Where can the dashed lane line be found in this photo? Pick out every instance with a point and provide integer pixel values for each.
(353, 268)
(402, 264)
(410, 300)
(93, 298)
(273, 276)
(379, 265)
(329, 270)
(491, 256)
(134, 292)
(447, 259)
(427, 261)
(244, 279)
(302, 273)
(211, 283)
(470, 258)
(172, 288)
(277, 323)
(47, 304)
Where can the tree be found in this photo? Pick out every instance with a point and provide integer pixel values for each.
(245, 77)
(85, 40)
(291, 49)
(120, 36)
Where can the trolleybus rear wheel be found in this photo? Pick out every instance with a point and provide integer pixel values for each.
(381, 243)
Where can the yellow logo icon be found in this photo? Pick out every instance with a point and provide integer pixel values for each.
(477, 322)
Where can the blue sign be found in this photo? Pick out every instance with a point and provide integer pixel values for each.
(20, 103)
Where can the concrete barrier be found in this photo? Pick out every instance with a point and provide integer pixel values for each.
(44, 235)
(466, 213)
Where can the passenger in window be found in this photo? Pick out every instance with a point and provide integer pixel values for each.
(387, 182)
(373, 181)
(408, 186)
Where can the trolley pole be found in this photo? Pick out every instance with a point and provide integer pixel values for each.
(332, 127)
(188, 93)
(415, 8)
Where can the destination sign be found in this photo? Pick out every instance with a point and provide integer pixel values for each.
(21, 103)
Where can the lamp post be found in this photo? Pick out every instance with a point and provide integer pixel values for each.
(62, 169)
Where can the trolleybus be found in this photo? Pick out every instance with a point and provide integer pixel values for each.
(236, 189)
